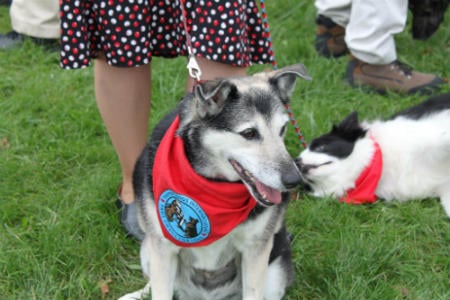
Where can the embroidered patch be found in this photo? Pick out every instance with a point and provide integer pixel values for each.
(183, 218)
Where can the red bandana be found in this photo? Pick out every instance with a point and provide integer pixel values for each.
(366, 184)
(192, 210)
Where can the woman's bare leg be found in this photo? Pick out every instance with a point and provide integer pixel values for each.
(123, 98)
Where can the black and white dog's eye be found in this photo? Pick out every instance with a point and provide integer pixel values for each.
(321, 148)
(250, 134)
(318, 148)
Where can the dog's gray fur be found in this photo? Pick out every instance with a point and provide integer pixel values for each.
(253, 261)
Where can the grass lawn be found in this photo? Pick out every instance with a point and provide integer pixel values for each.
(60, 236)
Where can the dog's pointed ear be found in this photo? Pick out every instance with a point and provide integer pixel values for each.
(284, 80)
(350, 122)
(350, 127)
(211, 96)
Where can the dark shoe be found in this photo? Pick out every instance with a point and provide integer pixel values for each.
(395, 77)
(330, 38)
(10, 40)
(52, 45)
(129, 218)
(427, 15)
(14, 39)
(5, 2)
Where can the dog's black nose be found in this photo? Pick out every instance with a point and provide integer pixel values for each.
(299, 163)
(291, 178)
(303, 170)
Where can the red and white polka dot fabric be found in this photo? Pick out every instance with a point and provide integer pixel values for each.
(130, 32)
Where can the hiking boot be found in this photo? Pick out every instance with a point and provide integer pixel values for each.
(396, 77)
(330, 38)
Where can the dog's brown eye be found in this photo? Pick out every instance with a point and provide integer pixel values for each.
(250, 134)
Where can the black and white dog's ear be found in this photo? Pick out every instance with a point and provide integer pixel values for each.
(350, 122)
(350, 127)
(284, 80)
(212, 96)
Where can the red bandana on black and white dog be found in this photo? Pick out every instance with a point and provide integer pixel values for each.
(367, 182)
(192, 210)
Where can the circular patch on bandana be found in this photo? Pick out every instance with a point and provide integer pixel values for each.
(183, 218)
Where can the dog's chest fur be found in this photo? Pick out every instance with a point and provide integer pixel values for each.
(212, 269)
(245, 236)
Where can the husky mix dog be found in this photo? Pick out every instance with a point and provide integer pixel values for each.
(212, 189)
(404, 158)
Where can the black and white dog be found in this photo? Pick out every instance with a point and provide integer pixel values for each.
(406, 157)
(212, 190)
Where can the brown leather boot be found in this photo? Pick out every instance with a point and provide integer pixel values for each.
(330, 38)
(395, 77)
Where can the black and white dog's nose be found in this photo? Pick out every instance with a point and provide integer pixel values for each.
(299, 163)
(303, 170)
(301, 166)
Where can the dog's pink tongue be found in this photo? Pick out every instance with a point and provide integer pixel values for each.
(272, 195)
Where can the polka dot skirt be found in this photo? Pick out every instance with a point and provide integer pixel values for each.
(130, 32)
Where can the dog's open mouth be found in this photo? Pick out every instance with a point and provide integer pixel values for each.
(264, 194)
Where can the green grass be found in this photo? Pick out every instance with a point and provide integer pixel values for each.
(60, 237)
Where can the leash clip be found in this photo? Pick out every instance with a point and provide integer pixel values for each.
(194, 69)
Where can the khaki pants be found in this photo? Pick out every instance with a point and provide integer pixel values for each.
(370, 25)
(36, 18)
